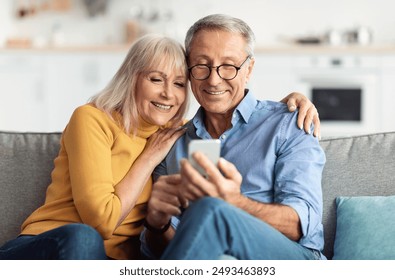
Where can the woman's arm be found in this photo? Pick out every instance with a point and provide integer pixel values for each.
(129, 188)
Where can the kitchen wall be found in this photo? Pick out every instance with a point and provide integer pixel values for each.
(272, 20)
(74, 54)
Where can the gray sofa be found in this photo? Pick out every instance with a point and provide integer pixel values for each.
(356, 166)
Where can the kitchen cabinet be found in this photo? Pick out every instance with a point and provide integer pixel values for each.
(373, 74)
(272, 77)
(72, 79)
(40, 90)
(387, 114)
(23, 101)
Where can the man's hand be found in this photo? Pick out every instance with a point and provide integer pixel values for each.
(307, 112)
(165, 201)
(225, 185)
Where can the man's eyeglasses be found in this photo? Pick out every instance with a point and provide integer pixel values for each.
(225, 71)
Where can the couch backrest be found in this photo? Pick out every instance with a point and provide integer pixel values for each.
(361, 165)
(355, 166)
(26, 162)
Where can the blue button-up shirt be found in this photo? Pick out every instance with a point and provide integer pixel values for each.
(279, 162)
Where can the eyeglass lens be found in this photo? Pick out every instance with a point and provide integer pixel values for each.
(225, 71)
(204, 71)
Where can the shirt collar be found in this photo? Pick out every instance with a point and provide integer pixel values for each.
(245, 109)
(247, 106)
(198, 123)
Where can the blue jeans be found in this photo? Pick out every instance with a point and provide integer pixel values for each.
(69, 242)
(211, 228)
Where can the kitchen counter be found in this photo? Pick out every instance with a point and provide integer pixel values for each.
(123, 48)
(259, 49)
(326, 49)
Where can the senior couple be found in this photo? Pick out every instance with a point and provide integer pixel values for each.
(263, 200)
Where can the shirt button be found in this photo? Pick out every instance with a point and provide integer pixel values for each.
(223, 137)
(234, 115)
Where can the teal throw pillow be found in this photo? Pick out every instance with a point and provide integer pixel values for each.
(365, 228)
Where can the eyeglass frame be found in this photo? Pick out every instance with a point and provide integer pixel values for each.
(217, 69)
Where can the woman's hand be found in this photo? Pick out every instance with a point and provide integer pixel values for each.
(160, 143)
(307, 112)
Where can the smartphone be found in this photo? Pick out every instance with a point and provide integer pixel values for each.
(209, 147)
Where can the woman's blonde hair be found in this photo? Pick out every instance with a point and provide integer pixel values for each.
(144, 55)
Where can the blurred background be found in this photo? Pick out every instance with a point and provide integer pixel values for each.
(55, 54)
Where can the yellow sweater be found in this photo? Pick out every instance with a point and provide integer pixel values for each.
(95, 154)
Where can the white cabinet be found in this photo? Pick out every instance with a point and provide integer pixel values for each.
(388, 88)
(39, 91)
(272, 77)
(23, 101)
(72, 78)
(277, 74)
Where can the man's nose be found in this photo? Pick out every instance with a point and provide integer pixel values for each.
(214, 78)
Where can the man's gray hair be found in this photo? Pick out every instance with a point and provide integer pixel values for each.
(224, 23)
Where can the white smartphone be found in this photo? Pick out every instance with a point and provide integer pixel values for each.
(209, 147)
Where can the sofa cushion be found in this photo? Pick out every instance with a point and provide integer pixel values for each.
(26, 162)
(355, 166)
(365, 228)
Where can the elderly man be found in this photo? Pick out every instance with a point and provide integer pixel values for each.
(263, 200)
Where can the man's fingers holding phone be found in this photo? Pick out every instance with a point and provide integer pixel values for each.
(196, 185)
(229, 170)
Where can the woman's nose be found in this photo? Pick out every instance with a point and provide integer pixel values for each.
(167, 91)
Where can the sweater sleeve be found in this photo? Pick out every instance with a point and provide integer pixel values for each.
(88, 139)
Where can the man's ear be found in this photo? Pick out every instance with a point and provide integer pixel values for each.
(250, 68)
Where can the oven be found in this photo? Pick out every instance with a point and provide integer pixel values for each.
(345, 91)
